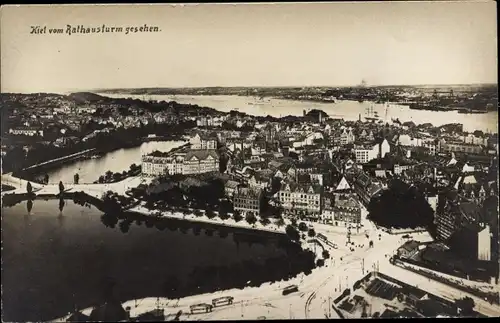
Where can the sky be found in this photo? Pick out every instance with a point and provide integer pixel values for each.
(314, 44)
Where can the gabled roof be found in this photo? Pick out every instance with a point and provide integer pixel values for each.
(232, 184)
(274, 164)
(201, 154)
(343, 185)
(248, 192)
(301, 188)
(363, 179)
(347, 203)
(410, 245)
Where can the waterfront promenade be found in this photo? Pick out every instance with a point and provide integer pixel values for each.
(94, 190)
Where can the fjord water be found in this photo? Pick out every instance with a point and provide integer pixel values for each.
(120, 160)
(348, 110)
(59, 255)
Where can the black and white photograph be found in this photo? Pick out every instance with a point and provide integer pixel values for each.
(249, 161)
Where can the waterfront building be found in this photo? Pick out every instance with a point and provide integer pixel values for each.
(200, 161)
(247, 200)
(474, 140)
(190, 162)
(230, 188)
(304, 200)
(202, 141)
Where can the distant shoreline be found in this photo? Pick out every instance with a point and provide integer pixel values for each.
(410, 105)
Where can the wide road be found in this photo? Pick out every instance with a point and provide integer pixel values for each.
(437, 288)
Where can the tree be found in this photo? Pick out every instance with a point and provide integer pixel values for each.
(292, 233)
(237, 216)
(61, 187)
(465, 306)
(311, 233)
(29, 188)
(265, 221)
(76, 178)
(250, 218)
(223, 214)
(46, 179)
(108, 174)
(101, 179)
(210, 213)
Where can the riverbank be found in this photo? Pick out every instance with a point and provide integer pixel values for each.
(145, 257)
(230, 222)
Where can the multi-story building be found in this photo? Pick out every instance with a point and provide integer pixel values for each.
(230, 188)
(347, 136)
(460, 147)
(327, 212)
(365, 153)
(302, 200)
(455, 215)
(200, 161)
(399, 169)
(366, 188)
(431, 146)
(202, 141)
(473, 140)
(190, 162)
(407, 140)
(346, 211)
(247, 201)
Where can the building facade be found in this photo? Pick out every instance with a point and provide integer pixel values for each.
(199, 142)
(247, 201)
(191, 162)
(365, 153)
(301, 199)
(346, 211)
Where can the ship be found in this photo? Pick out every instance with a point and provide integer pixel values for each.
(371, 115)
(469, 111)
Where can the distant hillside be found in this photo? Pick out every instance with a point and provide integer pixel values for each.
(86, 97)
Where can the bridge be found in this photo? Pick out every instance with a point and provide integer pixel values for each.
(95, 190)
(60, 159)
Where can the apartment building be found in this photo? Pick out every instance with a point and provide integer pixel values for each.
(247, 201)
(365, 153)
(346, 211)
(190, 162)
(301, 199)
